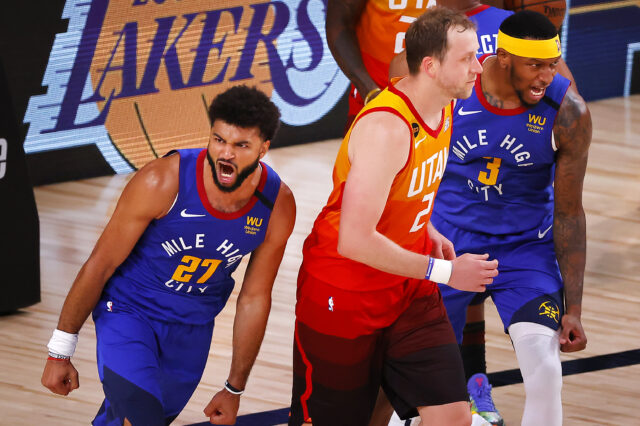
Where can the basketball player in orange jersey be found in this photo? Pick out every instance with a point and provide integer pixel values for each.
(368, 310)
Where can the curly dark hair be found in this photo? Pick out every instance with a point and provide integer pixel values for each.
(246, 107)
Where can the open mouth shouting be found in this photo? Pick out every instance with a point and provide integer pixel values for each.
(225, 171)
(537, 92)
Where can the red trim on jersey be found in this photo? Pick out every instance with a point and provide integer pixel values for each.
(395, 112)
(453, 109)
(203, 193)
(477, 10)
(433, 133)
(486, 104)
(307, 376)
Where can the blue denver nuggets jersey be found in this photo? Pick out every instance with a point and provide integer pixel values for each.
(180, 269)
(488, 20)
(501, 165)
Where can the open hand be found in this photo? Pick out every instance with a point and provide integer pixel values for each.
(472, 272)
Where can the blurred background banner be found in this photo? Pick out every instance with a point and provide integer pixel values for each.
(114, 84)
(130, 80)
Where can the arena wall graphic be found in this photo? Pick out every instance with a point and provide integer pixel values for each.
(133, 78)
(130, 79)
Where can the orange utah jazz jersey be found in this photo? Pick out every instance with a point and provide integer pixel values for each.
(409, 204)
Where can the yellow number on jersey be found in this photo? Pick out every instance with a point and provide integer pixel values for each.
(494, 168)
(184, 271)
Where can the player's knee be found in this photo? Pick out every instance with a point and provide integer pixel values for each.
(545, 380)
(537, 351)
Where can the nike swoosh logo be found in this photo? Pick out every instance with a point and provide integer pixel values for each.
(420, 141)
(184, 213)
(541, 234)
(461, 112)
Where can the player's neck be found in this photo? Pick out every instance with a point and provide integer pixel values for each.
(427, 98)
(496, 85)
(229, 202)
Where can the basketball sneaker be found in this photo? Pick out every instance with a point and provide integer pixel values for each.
(481, 402)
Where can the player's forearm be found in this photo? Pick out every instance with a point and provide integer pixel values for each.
(83, 296)
(569, 233)
(249, 327)
(379, 252)
(345, 50)
(341, 21)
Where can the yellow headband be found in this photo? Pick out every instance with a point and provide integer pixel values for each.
(539, 49)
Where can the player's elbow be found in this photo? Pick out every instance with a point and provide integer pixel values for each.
(350, 245)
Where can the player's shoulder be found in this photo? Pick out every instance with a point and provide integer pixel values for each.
(381, 130)
(572, 127)
(283, 216)
(285, 197)
(160, 172)
(157, 182)
(573, 106)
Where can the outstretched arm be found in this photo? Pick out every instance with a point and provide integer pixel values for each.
(253, 306)
(148, 195)
(342, 18)
(572, 132)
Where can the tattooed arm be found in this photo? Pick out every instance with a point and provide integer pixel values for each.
(572, 131)
(342, 18)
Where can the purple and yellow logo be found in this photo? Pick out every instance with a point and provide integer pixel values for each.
(134, 77)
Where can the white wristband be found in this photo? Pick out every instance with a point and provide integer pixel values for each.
(63, 343)
(439, 270)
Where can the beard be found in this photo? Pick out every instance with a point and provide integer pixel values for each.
(242, 174)
(520, 93)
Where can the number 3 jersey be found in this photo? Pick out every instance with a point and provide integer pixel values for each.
(180, 269)
(501, 165)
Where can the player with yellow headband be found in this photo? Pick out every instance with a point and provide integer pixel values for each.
(513, 189)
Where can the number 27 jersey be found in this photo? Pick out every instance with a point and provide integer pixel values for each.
(180, 269)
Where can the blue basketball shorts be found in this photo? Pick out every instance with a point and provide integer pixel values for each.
(528, 287)
(148, 369)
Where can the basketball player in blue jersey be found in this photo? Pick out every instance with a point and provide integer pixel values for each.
(161, 271)
(513, 188)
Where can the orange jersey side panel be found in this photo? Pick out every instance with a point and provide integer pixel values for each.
(409, 204)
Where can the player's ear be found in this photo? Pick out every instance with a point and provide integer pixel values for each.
(264, 148)
(504, 58)
(429, 65)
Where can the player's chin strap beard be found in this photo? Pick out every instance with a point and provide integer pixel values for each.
(212, 164)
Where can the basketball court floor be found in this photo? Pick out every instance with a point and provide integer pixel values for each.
(602, 385)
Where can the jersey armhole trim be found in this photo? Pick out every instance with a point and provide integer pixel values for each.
(397, 113)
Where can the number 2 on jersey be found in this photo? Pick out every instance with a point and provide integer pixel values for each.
(494, 168)
(190, 264)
